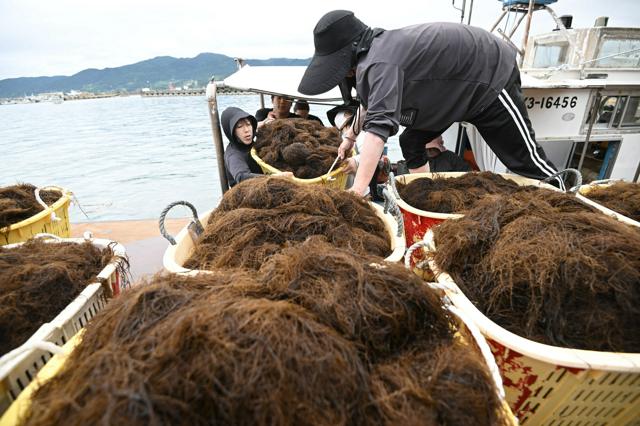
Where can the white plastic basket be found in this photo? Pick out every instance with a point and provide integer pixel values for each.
(20, 366)
(176, 255)
(583, 195)
(550, 385)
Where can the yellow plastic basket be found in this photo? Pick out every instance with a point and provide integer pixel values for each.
(335, 179)
(550, 385)
(43, 222)
(19, 408)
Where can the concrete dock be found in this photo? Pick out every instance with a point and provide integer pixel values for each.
(141, 239)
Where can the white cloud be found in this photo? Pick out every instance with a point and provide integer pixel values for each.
(63, 37)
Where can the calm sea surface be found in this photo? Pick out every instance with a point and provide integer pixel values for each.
(123, 157)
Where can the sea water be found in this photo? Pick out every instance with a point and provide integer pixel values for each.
(123, 157)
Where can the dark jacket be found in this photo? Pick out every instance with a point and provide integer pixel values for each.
(432, 74)
(262, 113)
(448, 161)
(313, 117)
(237, 157)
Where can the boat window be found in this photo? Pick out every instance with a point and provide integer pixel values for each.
(605, 112)
(550, 55)
(613, 46)
(632, 112)
(598, 161)
(619, 111)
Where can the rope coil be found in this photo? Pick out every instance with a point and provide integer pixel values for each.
(194, 226)
(54, 218)
(391, 206)
(577, 178)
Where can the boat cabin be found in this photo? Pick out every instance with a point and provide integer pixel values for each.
(582, 92)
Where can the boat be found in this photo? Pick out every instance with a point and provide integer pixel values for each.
(588, 102)
(583, 99)
(582, 93)
(581, 88)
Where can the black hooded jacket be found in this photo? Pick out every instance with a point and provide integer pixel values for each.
(237, 157)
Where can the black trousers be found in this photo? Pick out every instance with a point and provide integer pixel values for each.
(505, 126)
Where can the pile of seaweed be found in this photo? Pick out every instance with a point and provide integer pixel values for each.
(304, 147)
(317, 336)
(621, 197)
(381, 307)
(178, 353)
(446, 384)
(453, 195)
(549, 268)
(418, 372)
(18, 202)
(38, 280)
(261, 216)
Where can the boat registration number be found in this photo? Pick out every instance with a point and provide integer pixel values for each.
(551, 102)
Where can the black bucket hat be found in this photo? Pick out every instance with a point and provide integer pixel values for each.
(333, 38)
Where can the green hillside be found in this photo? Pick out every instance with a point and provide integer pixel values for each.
(155, 73)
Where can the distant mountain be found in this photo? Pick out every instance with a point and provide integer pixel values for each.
(155, 73)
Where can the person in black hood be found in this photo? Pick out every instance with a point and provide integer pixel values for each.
(240, 128)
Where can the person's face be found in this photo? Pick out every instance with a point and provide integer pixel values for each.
(304, 113)
(281, 106)
(244, 131)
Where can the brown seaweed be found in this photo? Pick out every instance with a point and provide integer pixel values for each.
(381, 306)
(318, 335)
(175, 352)
(621, 197)
(258, 218)
(453, 195)
(38, 280)
(18, 202)
(447, 384)
(549, 268)
(304, 147)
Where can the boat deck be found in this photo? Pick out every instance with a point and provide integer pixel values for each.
(141, 238)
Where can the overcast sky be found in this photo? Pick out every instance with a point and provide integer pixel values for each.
(62, 37)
